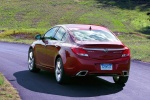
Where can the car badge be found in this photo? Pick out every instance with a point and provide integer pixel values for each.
(106, 50)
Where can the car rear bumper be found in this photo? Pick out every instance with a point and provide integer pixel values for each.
(73, 67)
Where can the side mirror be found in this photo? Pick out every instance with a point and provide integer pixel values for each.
(38, 37)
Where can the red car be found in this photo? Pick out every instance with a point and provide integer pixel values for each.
(80, 50)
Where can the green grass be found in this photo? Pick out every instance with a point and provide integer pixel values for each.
(21, 35)
(21, 20)
(1, 80)
(43, 14)
(139, 46)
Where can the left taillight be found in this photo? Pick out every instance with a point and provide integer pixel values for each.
(126, 53)
(79, 51)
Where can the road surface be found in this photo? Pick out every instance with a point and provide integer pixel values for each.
(42, 86)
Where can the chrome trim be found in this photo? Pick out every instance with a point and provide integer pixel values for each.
(103, 49)
(80, 73)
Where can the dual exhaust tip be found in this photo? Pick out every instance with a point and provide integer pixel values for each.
(84, 73)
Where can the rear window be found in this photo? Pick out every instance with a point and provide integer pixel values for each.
(93, 35)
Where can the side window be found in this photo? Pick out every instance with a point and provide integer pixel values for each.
(50, 34)
(61, 34)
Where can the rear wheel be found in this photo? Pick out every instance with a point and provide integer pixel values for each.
(31, 62)
(120, 79)
(59, 71)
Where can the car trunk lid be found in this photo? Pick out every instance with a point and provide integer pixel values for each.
(103, 50)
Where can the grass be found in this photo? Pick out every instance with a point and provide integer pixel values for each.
(1, 80)
(139, 46)
(21, 20)
(20, 36)
(39, 14)
(7, 92)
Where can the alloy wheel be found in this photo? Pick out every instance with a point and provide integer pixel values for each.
(58, 70)
(31, 61)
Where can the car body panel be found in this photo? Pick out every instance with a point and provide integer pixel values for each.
(46, 52)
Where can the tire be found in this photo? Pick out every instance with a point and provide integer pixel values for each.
(59, 71)
(120, 79)
(31, 62)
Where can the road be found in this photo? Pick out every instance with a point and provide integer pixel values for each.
(42, 86)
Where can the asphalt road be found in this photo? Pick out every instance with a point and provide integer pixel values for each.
(42, 86)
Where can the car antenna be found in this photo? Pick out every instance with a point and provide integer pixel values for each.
(90, 28)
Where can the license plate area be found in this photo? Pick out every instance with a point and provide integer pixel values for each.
(106, 66)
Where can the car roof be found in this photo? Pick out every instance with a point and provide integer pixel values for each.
(83, 27)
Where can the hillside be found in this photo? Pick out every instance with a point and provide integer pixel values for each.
(20, 20)
(118, 15)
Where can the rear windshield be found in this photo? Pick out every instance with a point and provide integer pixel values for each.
(93, 35)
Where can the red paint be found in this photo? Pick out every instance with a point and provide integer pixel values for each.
(76, 56)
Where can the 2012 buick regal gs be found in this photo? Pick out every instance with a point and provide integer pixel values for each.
(80, 50)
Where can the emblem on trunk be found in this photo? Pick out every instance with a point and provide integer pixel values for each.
(106, 50)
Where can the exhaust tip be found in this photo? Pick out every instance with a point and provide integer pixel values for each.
(82, 73)
(125, 73)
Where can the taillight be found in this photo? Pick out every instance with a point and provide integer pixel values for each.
(126, 53)
(79, 51)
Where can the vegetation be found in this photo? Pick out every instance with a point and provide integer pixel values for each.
(20, 20)
(1, 80)
(118, 15)
(139, 46)
(7, 92)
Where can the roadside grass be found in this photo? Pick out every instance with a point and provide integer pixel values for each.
(20, 36)
(1, 80)
(139, 46)
(7, 92)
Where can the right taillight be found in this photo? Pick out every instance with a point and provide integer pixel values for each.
(79, 51)
(126, 53)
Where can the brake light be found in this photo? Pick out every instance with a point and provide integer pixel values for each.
(79, 51)
(126, 53)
